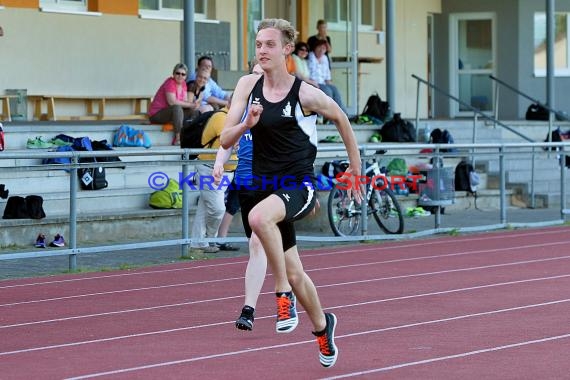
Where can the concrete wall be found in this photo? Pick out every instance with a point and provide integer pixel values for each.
(515, 52)
(70, 54)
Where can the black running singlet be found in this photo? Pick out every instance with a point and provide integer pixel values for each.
(284, 139)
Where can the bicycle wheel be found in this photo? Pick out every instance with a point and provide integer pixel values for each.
(387, 212)
(343, 213)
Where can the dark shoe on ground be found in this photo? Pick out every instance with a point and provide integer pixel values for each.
(227, 247)
(245, 320)
(41, 241)
(58, 241)
(287, 318)
(328, 351)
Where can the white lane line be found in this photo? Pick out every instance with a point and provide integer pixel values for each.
(319, 286)
(449, 357)
(383, 247)
(309, 270)
(412, 296)
(443, 320)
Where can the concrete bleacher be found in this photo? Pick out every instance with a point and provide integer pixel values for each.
(121, 210)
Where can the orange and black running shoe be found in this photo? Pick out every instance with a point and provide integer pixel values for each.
(287, 318)
(328, 351)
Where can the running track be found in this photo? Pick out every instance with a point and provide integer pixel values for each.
(486, 306)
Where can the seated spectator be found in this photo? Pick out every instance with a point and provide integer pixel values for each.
(321, 35)
(300, 55)
(320, 72)
(170, 103)
(214, 97)
(196, 89)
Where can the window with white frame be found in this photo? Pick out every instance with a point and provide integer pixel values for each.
(171, 9)
(560, 43)
(64, 5)
(338, 12)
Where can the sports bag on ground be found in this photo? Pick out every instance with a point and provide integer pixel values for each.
(536, 112)
(16, 208)
(169, 197)
(127, 136)
(398, 130)
(466, 179)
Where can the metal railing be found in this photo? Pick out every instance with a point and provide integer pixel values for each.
(550, 110)
(476, 113)
(367, 151)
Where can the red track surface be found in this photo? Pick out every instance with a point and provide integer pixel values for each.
(482, 306)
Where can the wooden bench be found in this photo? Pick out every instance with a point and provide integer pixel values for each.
(95, 106)
(5, 100)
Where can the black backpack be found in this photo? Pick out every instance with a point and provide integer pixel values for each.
(191, 134)
(377, 108)
(398, 130)
(466, 179)
(437, 136)
(92, 178)
(537, 112)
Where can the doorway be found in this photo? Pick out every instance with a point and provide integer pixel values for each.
(472, 60)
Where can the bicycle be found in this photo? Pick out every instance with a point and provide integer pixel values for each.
(345, 214)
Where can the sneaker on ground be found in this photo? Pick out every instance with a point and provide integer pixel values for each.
(58, 241)
(287, 318)
(245, 320)
(328, 351)
(227, 247)
(41, 241)
(39, 142)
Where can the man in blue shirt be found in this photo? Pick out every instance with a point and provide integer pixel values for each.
(213, 96)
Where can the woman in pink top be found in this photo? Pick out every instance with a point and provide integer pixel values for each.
(170, 103)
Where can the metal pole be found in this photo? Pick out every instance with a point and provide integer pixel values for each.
(185, 206)
(496, 103)
(474, 139)
(240, 25)
(73, 213)
(532, 171)
(502, 180)
(550, 60)
(418, 111)
(562, 182)
(354, 57)
(188, 40)
(364, 204)
(390, 54)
